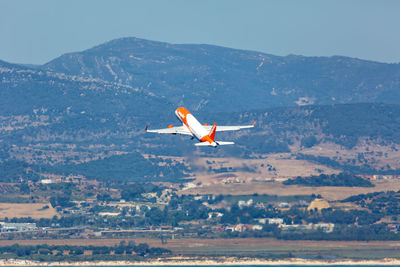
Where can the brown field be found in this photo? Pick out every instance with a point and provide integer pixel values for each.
(285, 166)
(33, 210)
(377, 155)
(277, 188)
(261, 180)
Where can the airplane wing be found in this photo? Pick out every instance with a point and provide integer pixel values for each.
(229, 128)
(171, 130)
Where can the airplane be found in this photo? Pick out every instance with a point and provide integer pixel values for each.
(204, 133)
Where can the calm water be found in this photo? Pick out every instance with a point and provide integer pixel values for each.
(262, 266)
(233, 266)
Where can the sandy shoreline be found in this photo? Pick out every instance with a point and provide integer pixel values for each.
(201, 261)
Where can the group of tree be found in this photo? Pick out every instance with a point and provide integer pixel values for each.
(381, 203)
(125, 250)
(341, 179)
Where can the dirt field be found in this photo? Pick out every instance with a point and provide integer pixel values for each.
(277, 188)
(33, 210)
(377, 155)
(265, 176)
(271, 166)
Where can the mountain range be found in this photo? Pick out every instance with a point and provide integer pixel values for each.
(205, 77)
(93, 105)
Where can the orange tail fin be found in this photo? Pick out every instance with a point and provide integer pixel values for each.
(212, 131)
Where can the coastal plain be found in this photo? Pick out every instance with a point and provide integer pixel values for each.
(77, 169)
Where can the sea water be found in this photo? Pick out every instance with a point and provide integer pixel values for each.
(312, 265)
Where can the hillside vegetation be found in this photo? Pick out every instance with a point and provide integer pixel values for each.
(84, 111)
(206, 77)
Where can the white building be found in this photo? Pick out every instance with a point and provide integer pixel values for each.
(275, 221)
(17, 227)
(278, 221)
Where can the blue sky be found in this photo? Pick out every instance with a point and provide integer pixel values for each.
(38, 31)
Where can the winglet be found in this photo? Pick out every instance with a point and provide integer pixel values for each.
(254, 124)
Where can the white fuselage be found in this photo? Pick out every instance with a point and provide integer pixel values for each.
(193, 125)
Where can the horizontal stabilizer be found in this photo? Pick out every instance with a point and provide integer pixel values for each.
(202, 144)
(220, 143)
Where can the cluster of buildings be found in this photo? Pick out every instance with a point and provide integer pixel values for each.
(94, 206)
(51, 179)
(325, 227)
(279, 222)
(394, 227)
(379, 177)
(116, 208)
(17, 227)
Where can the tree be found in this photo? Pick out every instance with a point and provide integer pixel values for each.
(24, 189)
(309, 141)
(141, 249)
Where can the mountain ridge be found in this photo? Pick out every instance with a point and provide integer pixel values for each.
(207, 77)
(93, 105)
